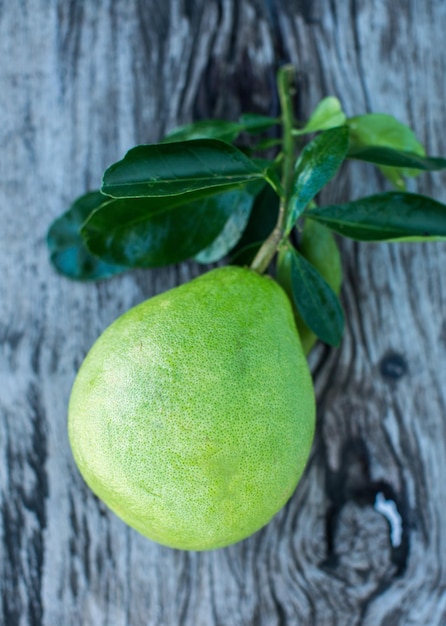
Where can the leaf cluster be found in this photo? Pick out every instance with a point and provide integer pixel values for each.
(205, 193)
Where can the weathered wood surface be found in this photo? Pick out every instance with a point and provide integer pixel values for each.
(80, 82)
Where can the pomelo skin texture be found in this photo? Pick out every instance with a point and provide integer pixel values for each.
(192, 416)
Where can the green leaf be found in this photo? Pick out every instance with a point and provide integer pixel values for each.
(379, 129)
(395, 175)
(221, 129)
(68, 253)
(266, 144)
(261, 222)
(254, 123)
(385, 217)
(318, 245)
(240, 202)
(271, 173)
(152, 232)
(205, 129)
(327, 114)
(315, 300)
(396, 158)
(318, 163)
(170, 169)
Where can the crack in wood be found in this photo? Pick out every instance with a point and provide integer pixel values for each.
(352, 483)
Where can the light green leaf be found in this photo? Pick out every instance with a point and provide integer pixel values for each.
(327, 114)
(395, 176)
(379, 129)
(318, 245)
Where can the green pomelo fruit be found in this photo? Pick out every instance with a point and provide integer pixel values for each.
(319, 247)
(192, 416)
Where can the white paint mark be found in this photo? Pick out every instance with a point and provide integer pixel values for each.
(388, 509)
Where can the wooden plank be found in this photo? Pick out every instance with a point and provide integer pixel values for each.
(81, 82)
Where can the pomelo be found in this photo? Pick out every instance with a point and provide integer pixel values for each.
(192, 416)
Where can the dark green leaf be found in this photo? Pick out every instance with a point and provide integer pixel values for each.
(385, 217)
(176, 168)
(271, 172)
(254, 123)
(315, 300)
(68, 252)
(151, 232)
(221, 129)
(396, 158)
(327, 114)
(265, 164)
(261, 222)
(318, 163)
(240, 202)
(266, 144)
(205, 129)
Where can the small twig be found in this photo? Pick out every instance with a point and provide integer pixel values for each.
(286, 87)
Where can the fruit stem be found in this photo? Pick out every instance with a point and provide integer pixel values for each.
(286, 87)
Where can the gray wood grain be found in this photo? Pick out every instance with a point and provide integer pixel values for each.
(81, 82)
